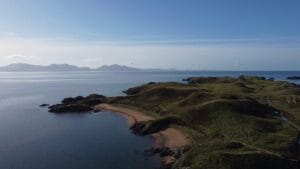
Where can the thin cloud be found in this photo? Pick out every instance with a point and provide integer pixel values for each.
(5, 33)
(18, 57)
(217, 56)
(140, 42)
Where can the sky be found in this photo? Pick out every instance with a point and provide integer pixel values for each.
(181, 34)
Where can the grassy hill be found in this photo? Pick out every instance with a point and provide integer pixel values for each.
(233, 123)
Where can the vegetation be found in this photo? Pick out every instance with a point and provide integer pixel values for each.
(233, 123)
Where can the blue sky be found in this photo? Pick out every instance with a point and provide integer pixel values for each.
(217, 34)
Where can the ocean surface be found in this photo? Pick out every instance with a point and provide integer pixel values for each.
(32, 138)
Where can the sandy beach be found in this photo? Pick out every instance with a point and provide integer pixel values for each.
(171, 138)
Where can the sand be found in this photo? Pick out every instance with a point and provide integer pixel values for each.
(171, 137)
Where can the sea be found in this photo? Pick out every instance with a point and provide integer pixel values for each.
(33, 138)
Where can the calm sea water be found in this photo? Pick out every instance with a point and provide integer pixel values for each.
(32, 138)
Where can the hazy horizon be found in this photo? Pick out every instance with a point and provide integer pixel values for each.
(194, 35)
(141, 68)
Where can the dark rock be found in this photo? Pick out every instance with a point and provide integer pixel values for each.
(96, 111)
(77, 104)
(154, 126)
(186, 80)
(133, 90)
(179, 155)
(151, 83)
(69, 108)
(68, 100)
(95, 96)
(139, 128)
(149, 127)
(79, 98)
(293, 78)
(44, 105)
(91, 102)
(165, 151)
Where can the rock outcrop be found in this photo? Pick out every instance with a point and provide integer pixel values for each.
(78, 104)
(293, 78)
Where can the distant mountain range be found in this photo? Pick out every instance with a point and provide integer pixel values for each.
(116, 67)
(22, 67)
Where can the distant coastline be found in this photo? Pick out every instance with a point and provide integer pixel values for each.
(24, 67)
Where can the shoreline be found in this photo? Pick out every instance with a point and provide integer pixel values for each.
(170, 138)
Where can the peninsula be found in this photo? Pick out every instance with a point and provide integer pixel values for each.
(210, 122)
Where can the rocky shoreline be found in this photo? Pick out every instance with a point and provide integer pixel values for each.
(78, 104)
(169, 143)
(173, 159)
(230, 122)
(172, 154)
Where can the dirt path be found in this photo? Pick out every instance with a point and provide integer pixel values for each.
(170, 137)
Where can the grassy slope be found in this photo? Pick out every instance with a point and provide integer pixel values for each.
(227, 119)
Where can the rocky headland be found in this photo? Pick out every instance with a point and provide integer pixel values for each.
(78, 104)
(210, 122)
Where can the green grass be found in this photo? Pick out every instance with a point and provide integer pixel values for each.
(219, 111)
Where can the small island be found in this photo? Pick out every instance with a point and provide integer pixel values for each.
(210, 122)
